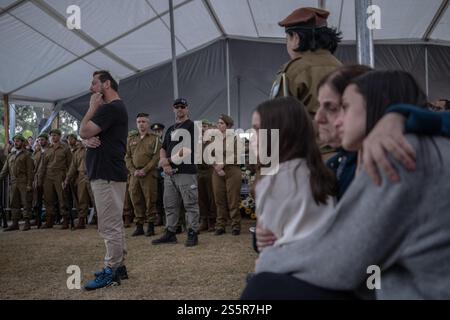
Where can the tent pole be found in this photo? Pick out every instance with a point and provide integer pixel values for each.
(6, 118)
(227, 57)
(12, 120)
(364, 35)
(426, 72)
(174, 53)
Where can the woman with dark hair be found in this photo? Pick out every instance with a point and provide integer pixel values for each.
(310, 44)
(366, 100)
(401, 230)
(299, 198)
(226, 182)
(330, 90)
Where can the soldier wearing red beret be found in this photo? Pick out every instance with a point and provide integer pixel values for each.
(310, 44)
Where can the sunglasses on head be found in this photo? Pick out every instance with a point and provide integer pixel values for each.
(180, 106)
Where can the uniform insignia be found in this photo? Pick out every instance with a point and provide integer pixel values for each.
(275, 87)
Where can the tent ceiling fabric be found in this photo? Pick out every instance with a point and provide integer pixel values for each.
(42, 59)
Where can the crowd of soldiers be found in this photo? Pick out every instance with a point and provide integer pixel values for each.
(51, 174)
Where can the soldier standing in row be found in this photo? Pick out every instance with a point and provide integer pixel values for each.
(19, 166)
(52, 173)
(78, 176)
(142, 158)
(128, 210)
(158, 129)
(227, 181)
(38, 193)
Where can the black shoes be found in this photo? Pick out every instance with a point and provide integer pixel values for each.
(192, 238)
(167, 237)
(139, 230)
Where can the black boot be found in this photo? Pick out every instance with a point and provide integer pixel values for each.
(192, 238)
(150, 230)
(167, 237)
(139, 230)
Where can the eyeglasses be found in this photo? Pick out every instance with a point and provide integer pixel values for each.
(179, 106)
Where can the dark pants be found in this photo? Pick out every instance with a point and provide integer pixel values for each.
(275, 286)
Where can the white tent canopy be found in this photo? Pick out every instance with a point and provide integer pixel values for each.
(42, 60)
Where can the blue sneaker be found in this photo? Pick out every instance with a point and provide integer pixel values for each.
(107, 278)
(121, 272)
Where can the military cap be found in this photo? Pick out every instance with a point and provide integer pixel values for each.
(157, 126)
(43, 135)
(305, 18)
(142, 115)
(20, 137)
(56, 131)
(227, 119)
(72, 135)
(206, 122)
(180, 102)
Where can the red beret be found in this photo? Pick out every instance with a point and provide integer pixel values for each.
(306, 17)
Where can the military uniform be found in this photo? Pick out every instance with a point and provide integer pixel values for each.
(52, 173)
(38, 193)
(227, 189)
(128, 210)
(77, 174)
(158, 129)
(300, 76)
(19, 166)
(143, 154)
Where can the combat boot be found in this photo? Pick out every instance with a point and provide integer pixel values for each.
(27, 225)
(192, 238)
(14, 226)
(167, 237)
(139, 230)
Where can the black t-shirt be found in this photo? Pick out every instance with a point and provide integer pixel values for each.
(168, 145)
(107, 162)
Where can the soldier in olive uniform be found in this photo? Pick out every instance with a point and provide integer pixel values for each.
(206, 202)
(227, 181)
(77, 174)
(128, 210)
(158, 129)
(19, 165)
(38, 193)
(52, 173)
(142, 158)
(310, 44)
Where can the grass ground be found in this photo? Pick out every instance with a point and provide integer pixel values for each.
(33, 265)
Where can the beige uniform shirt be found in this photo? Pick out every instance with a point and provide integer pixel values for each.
(300, 77)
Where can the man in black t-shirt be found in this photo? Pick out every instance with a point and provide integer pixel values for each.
(180, 180)
(105, 127)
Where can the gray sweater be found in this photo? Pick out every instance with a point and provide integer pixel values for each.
(404, 228)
